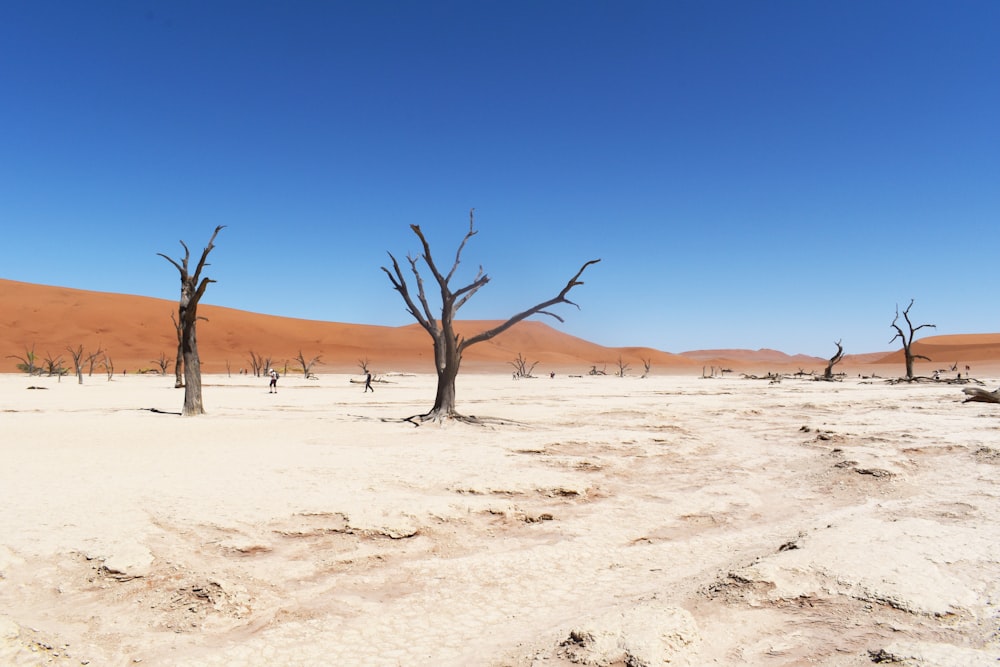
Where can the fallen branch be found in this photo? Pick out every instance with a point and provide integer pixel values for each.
(975, 394)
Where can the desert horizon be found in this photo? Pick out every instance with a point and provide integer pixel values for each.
(582, 521)
(135, 330)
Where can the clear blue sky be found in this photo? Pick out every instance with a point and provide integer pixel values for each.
(753, 174)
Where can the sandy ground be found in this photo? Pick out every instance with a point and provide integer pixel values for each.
(605, 521)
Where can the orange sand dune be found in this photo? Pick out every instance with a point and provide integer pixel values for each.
(135, 331)
(944, 351)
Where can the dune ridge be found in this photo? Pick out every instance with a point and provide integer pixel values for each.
(136, 330)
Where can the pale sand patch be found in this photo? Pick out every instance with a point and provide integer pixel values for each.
(609, 521)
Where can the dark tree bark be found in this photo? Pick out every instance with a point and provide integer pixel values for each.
(192, 289)
(834, 360)
(907, 338)
(77, 354)
(975, 394)
(179, 359)
(448, 343)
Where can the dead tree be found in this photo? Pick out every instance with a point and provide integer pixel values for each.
(622, 367)
(522, 368)
(594, 371)
(363, 364)
(256, 362)
(307, 366)
(192, 289)
(27, 362)
(449, 345)
(93, 359)
(161, 363)
(646, 365)
(77, 354)
(834, 360)
(53, 365)
(975, 394)
(109, 366)
(907, 338)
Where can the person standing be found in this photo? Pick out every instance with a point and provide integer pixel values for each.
(273, 388)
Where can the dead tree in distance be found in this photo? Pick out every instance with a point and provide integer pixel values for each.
(834, 360)
(647, 363)
(162, 363)
(77, 354)
(27, 362)
(53, 365)
(93, 358)
(109, 366)
(623, 367)
(907, 338)
(192, 289)
(307, 366)
(522, 369)
(448, 343)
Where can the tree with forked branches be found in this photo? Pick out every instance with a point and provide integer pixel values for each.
(522, 369)
(449, 345)
(27, 362)
(307, 364)
(193, 287)
(834, 360)
(906, 338)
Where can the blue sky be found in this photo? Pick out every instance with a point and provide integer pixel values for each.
(752, 174)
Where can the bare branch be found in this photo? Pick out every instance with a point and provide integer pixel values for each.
(537, 309)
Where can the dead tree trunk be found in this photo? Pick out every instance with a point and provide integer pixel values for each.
(448, 345)
(975, 394)
(834, 360)
(77, 354)
(179, 360)
(192, 289)
(907, 338)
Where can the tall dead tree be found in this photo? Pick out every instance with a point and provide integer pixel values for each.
(77, 354)
(307, 365)
(907, 338)
(834, 360)
(192, 289)
(449, 345)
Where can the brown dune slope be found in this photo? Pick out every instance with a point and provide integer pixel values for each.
(944, 351)
(135, 331)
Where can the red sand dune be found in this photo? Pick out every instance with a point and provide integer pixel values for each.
(135, 331)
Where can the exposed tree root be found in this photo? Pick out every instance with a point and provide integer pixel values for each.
(443, 417)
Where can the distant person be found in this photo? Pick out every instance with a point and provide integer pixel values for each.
(368, 383)
(273, 388)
